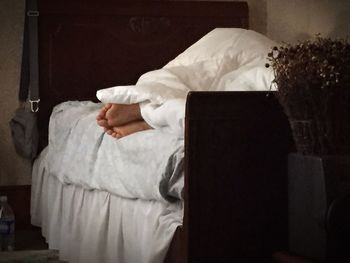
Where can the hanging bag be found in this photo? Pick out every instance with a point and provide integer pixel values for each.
(23, 125)
(24, 133)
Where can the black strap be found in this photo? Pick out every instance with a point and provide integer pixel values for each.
(29, 87)
(24, 84)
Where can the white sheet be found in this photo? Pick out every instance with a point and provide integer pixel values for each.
(95, 226)
(146, 165)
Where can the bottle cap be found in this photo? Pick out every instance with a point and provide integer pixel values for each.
(3, 198)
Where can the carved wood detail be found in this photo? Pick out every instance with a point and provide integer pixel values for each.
(149, 25)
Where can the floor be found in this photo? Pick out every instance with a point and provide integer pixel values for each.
(32, 256)
(29, 238)
(30, 246)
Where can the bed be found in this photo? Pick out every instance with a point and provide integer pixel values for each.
(234, 198)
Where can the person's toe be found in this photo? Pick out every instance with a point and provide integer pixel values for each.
(102, 123)
(109, 132)
(100, 116)
(108, 106)
(102, 113)
(118, 133)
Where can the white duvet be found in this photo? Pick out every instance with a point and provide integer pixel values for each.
(148, 164)
(145, 165)
(226, 59)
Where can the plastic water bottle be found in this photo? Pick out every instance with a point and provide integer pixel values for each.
(7, 226)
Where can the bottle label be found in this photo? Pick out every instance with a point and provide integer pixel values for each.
(6, 226)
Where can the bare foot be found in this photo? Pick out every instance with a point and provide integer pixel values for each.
(114, 115)
(127, 129)
(101, 116)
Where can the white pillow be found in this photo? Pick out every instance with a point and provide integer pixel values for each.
(231, 44)
(221, 52)
(211, 64)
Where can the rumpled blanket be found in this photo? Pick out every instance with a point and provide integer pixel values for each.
(146, 165)
(226, 59)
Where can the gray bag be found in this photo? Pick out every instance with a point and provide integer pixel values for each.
(23, 125)
(24, 133)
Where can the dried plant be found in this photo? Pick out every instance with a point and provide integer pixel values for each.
(313, 86)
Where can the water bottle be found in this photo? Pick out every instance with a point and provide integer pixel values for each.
(7, 226)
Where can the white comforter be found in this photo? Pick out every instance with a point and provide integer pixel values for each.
(148, 165)
(226, 59)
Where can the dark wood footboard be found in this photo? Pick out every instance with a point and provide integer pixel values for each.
(235, 178)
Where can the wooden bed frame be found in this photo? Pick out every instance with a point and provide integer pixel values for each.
(236, 143)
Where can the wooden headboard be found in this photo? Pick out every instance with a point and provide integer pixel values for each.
(89, 45)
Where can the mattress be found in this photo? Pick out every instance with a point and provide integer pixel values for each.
(97, 226)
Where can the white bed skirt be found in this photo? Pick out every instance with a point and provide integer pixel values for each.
(96, 226)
